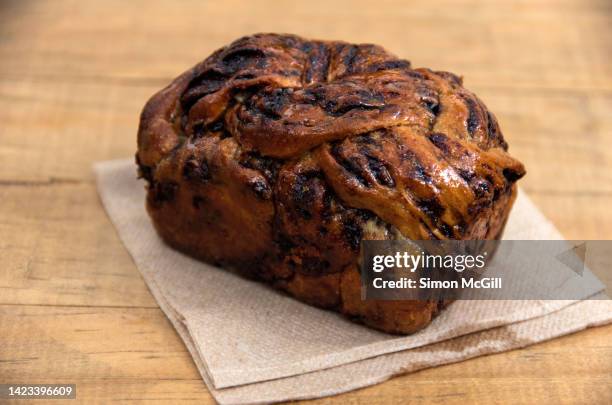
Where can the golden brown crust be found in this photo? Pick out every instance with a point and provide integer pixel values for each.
(277, 155)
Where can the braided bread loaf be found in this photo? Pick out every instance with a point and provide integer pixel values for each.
(277, 155)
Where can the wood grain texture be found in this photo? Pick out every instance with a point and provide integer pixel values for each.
(74, 76)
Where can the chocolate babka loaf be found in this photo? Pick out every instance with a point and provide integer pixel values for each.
(276, 156)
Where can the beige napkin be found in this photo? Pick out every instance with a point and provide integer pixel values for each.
(252, 344)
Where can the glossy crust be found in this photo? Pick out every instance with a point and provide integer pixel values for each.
(276, 156)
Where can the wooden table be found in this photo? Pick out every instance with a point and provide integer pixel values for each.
(74, 76)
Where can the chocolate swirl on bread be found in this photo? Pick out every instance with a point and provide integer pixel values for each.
(277, 155)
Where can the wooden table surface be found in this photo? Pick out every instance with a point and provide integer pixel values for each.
(74, 76)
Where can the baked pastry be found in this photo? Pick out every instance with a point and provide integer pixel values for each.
(277, 155)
